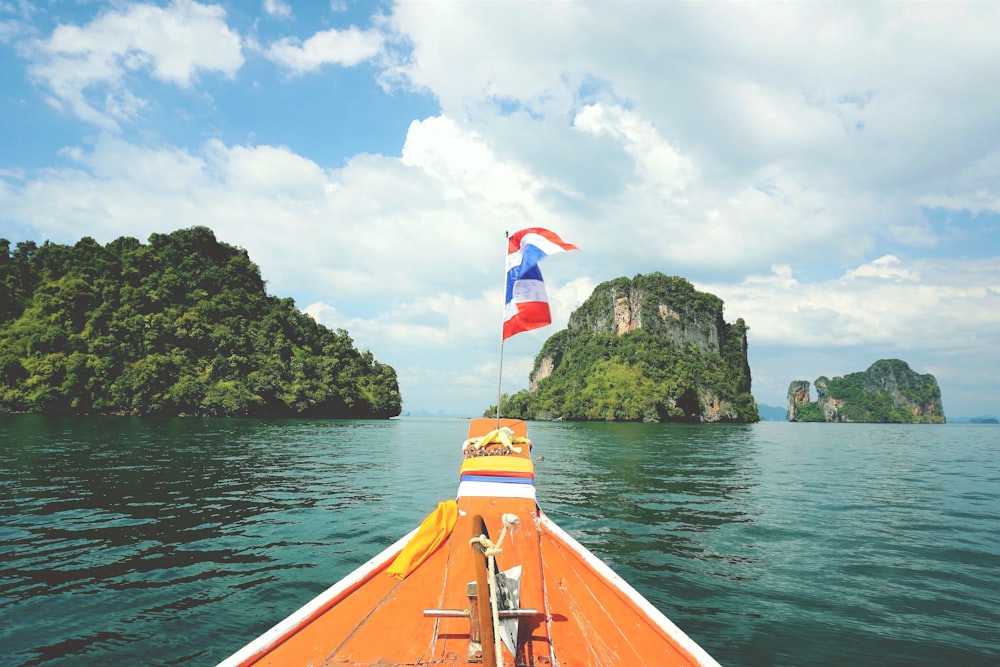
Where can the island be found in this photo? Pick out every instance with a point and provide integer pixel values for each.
(649, 349)
(179, 326)
(888, 392)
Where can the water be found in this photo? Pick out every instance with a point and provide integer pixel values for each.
(163, 542)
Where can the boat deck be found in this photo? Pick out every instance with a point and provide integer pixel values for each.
(587, 615)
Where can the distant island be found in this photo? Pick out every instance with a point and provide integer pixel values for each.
(888, 392)
(650, 349)
(772, 413)
(181, 326)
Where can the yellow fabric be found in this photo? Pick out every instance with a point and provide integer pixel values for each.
(431, 533)
(502, 436)
(514, 464)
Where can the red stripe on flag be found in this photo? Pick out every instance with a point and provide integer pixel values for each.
(530, 315)
(514, 243)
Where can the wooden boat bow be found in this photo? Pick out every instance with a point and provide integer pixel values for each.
(569, 607)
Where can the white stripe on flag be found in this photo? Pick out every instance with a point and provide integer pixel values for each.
(542, 243)
(528, 290)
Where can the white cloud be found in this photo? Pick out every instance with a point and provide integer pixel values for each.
(277, 8)
(887, 267)
(466, 167)
(812, 92)
(658, 164)
(919, 305)
(789, 134)
(346, 48)
(10, 29)
(268, 172)
(974, 188)
(86, 68)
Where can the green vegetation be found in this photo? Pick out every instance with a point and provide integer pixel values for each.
(809, 412)
(182, 325)
(682, 363)
(888, 392)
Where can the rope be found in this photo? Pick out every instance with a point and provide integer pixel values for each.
(490, 550)
(501, 436)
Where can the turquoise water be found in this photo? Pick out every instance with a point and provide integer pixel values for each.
(163, 542)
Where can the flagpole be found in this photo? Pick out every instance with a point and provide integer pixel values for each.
(506, 235)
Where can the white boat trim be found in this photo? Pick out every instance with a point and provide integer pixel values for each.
(603, 569)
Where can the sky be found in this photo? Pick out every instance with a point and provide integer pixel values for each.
(830, 170)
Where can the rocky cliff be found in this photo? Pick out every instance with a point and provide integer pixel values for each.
(650, 348)
(889, 391)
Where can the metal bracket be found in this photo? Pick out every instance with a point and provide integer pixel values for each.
(472, 613)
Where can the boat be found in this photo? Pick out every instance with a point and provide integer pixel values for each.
(486, 579)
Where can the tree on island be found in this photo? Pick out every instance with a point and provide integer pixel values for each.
(181, 326)
(887, 392)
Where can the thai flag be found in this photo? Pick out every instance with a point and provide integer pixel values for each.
(526, 306)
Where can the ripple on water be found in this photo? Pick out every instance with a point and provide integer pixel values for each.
(161, 542)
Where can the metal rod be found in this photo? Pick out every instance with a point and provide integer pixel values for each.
(464, 613)
(506, 235)
(446, 613)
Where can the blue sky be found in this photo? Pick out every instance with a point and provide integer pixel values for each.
(830, 170)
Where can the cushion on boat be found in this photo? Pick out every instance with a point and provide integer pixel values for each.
(504, 466)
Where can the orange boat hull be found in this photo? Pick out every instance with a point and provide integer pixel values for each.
(585, 613)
